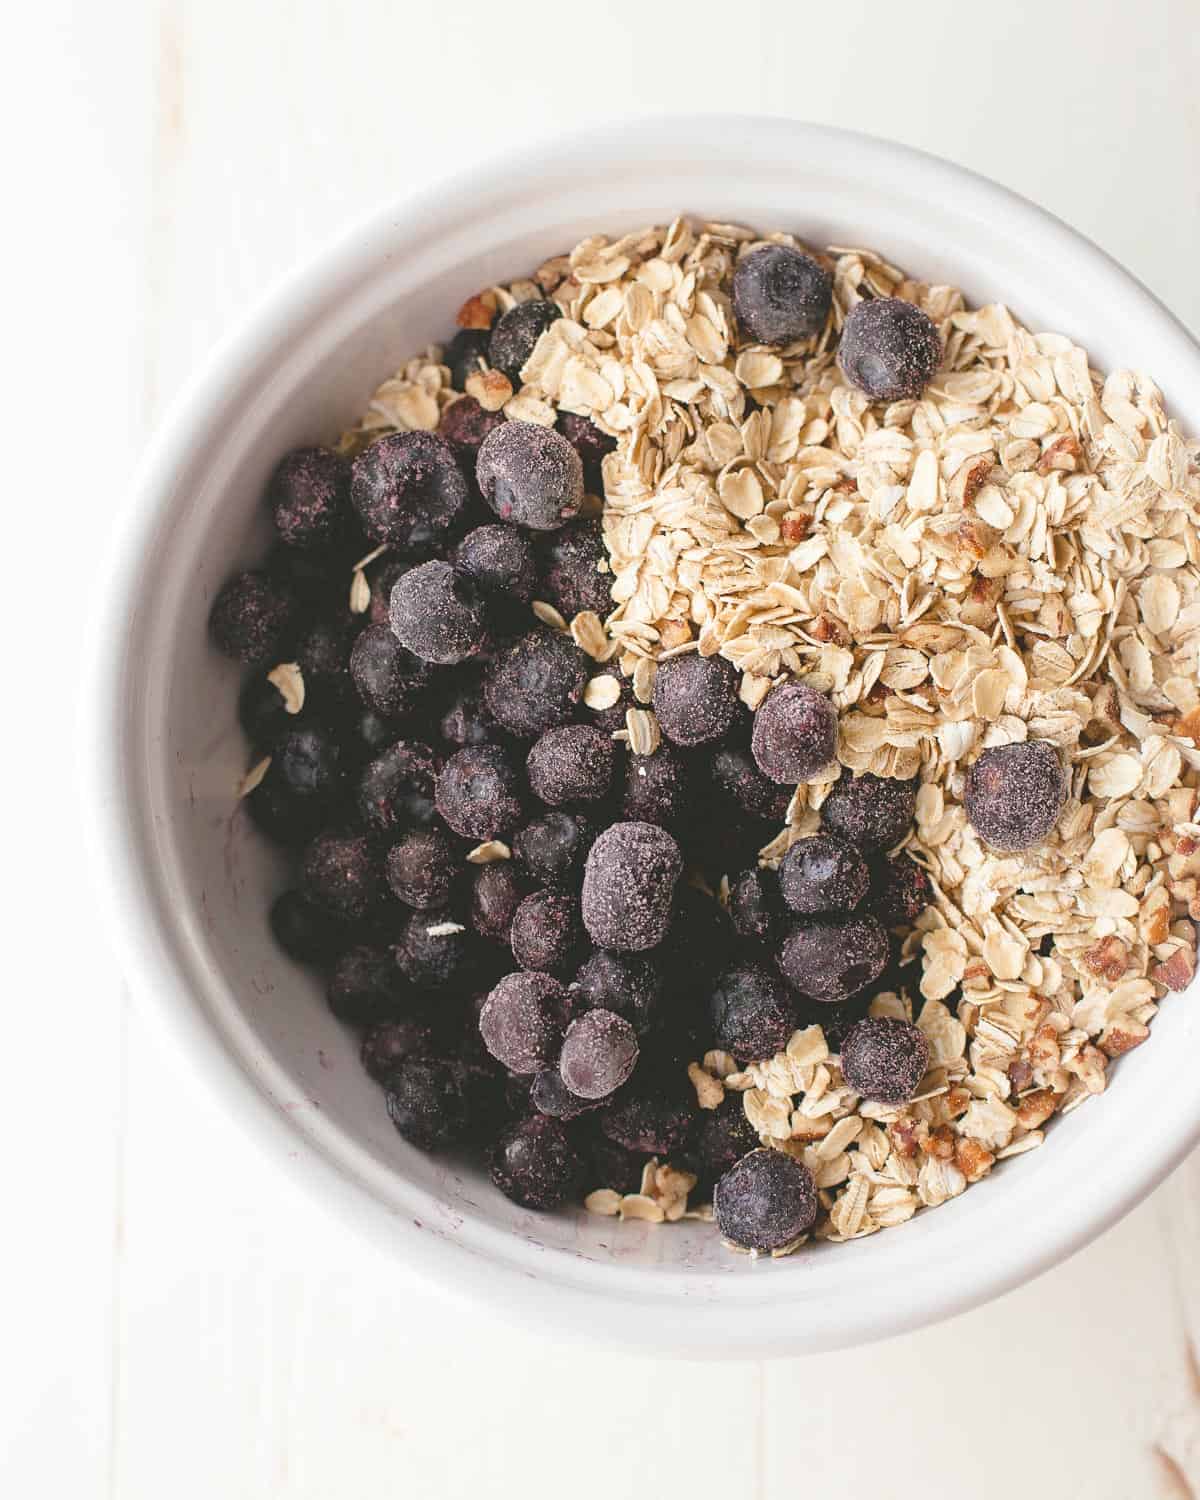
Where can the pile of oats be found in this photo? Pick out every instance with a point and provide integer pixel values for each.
(1014, 555)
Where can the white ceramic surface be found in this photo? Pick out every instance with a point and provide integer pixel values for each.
(188, 886)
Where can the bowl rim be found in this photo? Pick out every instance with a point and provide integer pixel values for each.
(154, 967)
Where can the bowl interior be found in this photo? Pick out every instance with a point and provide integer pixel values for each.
(202, 880)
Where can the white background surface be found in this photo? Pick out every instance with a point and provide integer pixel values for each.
(175, 1320)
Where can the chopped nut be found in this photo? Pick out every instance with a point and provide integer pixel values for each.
(1108, 959)
(1177, 971)
(710, 1091)
(478, 311)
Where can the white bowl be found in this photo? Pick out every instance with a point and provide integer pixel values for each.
(188, 892)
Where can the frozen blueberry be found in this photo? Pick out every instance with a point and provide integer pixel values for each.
(496, 892)
(466, 354)
(765, 1201)
(523, 1020)
(323, 655)
(479, 793)
(752, 1012)
(421, 869)
(824, 873)
(396, 789)
(647, 1118)
(550, 1096)
(625, 983)
(536, 684)
(874, 812)
(284, 816)
(1014, 794)
(252, 617)
(698, 944)
(464, 424)
(374, 732)
(884, 1059)
(889, 349)
(575, 571)
(535, 1163)
(656, 788)
(736, 776)
(599, 1053)
(314, 580)
(309, 497)
(552, 848)
(309, 763)
(386, 575)
(389, 679)
(385, 1046)
(429, 1103)
(407, 489)
(262, 713)
(530, 475)
(573, 763)
(695, 698)
(499, 560)
(780, 295)
(466, 719)
(341, 871)
(628, 884)
(830, 959)
(305, 929)
(365, 987)
(431, 949)
(900, 891)
(719, 1138)
(795, 733)
(516, 332)
(587, 440)
(754, 904)
(438, 614)
(545, 933)
(614, 1167)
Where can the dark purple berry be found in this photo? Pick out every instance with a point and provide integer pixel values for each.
(389, 679)
(752, 1011)
(1013, 794)
(341, 871)
(614, 1167)
(575, 571)
(536, 684)
(305, 929)
(874, 812)
(889, 349)
(438, 614)
(795, 733)
(884, 1059)
(571, 764)
(754, 904)
(308, 761)
(284, 816)
(385, 1047)
(552, 848)
(900, 891)
(535, 1163)
(396, 789)
(431, 950)
(780, 295)
(262, 713)
(719, 1138)
(523, 1020)
(421, 869)
(765, 1201)
(628, 885)
(530, 476)
(656, 789)
(588, 441)
(624, 983)
(464, 424)
(479, 793)
(496, 892)
(698, 944)
(309, 496)
(695, 698)
(599, 1053)
(389, 572)
(736, 776)
(323, 656)
(550, 1096)
(545, 934)
(647, 1118)
(514, 335)
(252, 617)
(466, 718)
(407, 489)
(829, 959)
(465, 355)
(365, 987)
(824, 873)
(429, 1103)
(498, 560)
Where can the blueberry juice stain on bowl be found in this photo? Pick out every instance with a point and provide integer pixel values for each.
(695, 781)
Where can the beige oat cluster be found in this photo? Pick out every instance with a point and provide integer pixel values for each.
(1015, 555)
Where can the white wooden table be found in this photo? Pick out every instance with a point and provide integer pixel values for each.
(174, 1319)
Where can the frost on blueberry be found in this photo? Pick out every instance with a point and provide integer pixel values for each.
(628, 885)
(884, 1058)
(765, 1201)
(889, 349)
(780, 295)
(1014, 794)
(536, 684)
(795, 733)
(407, 489)
(832, 958)
(530, 476)
(438, 614)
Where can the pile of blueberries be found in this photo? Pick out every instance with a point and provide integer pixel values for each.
(546, 1004)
